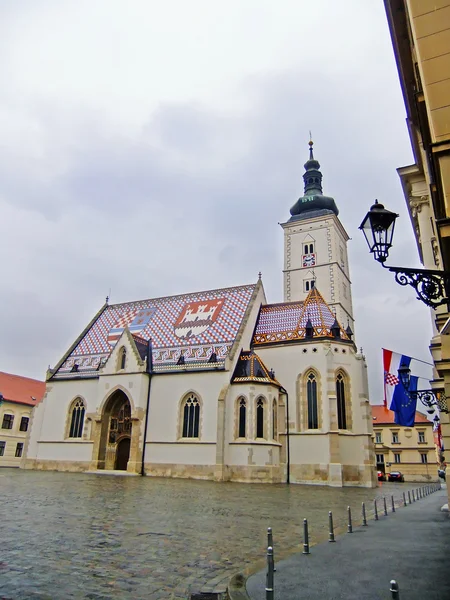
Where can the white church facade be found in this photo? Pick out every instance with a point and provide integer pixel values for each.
(220, 384)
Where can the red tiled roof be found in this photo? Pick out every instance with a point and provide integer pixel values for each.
(15, 388)
(382, 415)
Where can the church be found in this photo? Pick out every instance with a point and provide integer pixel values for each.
(220, 384)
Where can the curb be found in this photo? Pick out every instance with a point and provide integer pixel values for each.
(236, 588)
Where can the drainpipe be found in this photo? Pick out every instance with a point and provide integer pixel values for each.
(288, 445)
(149, 373)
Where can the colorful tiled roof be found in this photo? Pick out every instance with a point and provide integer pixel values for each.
(23, 390)
(288, 321)
(185, 330)
(381, 416)
(251, 369)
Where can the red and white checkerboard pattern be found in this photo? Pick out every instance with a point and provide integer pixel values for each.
(390, 379)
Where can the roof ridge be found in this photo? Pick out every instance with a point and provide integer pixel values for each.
(173, 296)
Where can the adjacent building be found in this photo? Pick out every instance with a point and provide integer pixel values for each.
(18, 397)
(410, 450)
(420, 31)
(220, 384)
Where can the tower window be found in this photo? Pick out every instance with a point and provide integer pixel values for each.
(340, 394)
(309, 284)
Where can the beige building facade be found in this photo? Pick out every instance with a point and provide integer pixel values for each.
(220, 384)
(410, 450)
(18, 397)
(420, 31)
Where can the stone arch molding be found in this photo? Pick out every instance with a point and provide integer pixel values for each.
(108, 396)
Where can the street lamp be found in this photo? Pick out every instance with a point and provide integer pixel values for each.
(432, 399)
(432, 287)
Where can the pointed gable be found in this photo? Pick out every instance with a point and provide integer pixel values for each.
(295, 321)
(251, 369)
(192, 326)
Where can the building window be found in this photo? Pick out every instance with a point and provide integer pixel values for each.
(242, 418)
(395, 437)
(19, 450)
(77, 419)
(380, 459)
(311, 394)
(378, 438)
(122, 358)
(24, 424)
(260, 418)
(274, 421)
(191, 417)
(8, 421)
(2, 448)
(424, 458)
(421, 437)
(397, 458)
(309, 284)
(308, 249)
(340, 395)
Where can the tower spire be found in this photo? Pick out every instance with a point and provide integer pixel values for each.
(312, 176)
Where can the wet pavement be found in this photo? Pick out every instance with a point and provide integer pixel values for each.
(67, 535)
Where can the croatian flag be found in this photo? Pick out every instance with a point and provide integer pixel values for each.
(395, 395)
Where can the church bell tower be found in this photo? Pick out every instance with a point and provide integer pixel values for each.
(315, 248)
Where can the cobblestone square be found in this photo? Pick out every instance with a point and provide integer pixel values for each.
(68, 535)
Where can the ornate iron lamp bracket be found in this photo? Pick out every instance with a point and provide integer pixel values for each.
(431, 399)
(432, 287)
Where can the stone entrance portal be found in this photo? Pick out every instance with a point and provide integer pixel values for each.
(116, 439)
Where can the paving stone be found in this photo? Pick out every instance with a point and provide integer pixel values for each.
(87, 536)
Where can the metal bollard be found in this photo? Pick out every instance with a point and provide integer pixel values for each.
(393, 504)
(376, 509)
(330, 527)
(404, 499)
(269, 574)
(420, 493)
(349, 526)
(385, 507)
(364, 515)
(305, 537)
(409, 497)
(270, 544)
(394, 590)
(413, 497)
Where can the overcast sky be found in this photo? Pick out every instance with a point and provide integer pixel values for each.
(151, 148)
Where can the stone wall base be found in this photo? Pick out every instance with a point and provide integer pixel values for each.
(334, 475)
(244, 474)
(56, 465)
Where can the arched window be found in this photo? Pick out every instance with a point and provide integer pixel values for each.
(122, 358)
(311, 394)
(77, 419)
(260, 418)
(274, 421)
(341, 408)
(191, 417)
(242, 420)
(311, 248)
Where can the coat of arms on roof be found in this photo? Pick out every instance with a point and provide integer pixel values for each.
(136, 320)
(196, 317)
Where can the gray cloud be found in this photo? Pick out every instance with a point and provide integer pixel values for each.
(191, 199)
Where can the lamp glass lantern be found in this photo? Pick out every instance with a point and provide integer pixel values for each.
(378, 229)
(404, 374)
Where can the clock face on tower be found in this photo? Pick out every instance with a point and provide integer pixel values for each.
(309, 260)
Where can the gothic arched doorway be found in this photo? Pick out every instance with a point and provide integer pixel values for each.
(115, 438)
